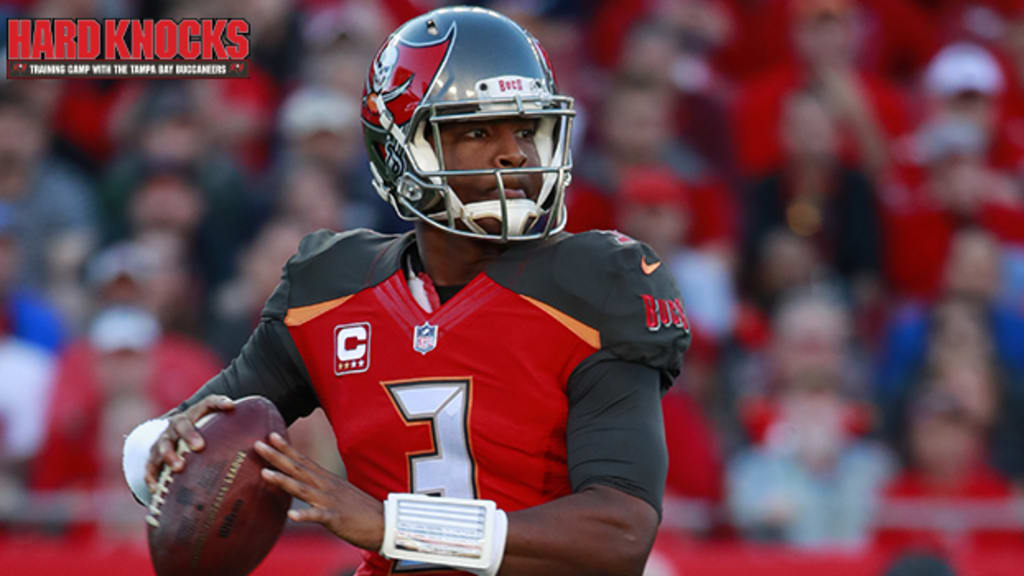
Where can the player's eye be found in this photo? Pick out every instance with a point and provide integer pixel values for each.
(476, 133)
(527, 133)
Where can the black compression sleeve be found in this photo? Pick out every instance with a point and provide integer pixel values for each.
(615, 434)
(269, 365)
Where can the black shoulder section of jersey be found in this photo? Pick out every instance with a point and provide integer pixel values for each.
(609, 282)
(330, 265)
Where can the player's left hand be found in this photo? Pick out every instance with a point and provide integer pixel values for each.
(337, 505)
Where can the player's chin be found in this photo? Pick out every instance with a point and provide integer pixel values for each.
(490, 225)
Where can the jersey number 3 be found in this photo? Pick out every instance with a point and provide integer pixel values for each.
(448, 469)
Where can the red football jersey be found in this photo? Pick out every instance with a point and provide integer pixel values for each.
(469, 399)
(424, 402)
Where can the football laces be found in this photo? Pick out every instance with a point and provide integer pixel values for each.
(163, 486)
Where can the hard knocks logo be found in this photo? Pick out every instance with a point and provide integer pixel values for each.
(122, 48)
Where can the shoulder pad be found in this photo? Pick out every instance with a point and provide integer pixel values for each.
(331, 265)
(611, 283)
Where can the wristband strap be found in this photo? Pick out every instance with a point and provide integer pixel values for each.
(462, 533)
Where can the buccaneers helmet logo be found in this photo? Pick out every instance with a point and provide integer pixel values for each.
(401, 76)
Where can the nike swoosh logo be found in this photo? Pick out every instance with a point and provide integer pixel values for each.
(648, 268)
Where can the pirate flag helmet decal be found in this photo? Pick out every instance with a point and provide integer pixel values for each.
(464, 64)
(400, 77)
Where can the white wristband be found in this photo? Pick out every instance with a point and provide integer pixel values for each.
(136, 454)
(461, 533)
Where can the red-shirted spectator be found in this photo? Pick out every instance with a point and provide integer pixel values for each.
(867, 108)
(237, 115)
(899, 36)
(964, 81)
(125, 370)
(959, 190)
(778, 489)
(811, 340)
(1011, 54)
(947, 496)
(675, 43)
(635, 133)
(700, 25)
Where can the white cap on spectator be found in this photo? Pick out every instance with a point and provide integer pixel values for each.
(313, 110)
(123, 328)
(963, 67)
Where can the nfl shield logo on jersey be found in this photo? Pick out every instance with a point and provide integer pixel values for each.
(424, 338)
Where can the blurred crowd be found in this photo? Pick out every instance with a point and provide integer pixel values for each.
(837, 185)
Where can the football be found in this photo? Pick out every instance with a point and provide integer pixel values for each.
(217, 516)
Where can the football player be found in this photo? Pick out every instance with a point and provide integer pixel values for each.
(494, 383)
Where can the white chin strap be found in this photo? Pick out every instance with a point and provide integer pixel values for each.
(522, 213)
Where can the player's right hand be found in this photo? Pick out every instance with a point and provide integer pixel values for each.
(182, 426)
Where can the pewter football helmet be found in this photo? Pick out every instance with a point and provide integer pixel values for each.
(461, 64)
